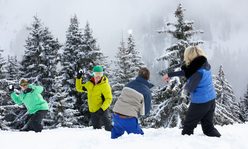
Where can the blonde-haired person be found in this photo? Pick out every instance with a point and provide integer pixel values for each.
(34, 102)
(197, 70)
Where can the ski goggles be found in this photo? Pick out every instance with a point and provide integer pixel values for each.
(100, 74)
(24, 84)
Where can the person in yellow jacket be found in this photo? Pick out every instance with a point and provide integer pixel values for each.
(99, 97)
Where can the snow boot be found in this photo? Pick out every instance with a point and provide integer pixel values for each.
(213, 133)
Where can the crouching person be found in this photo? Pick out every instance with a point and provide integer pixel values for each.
(135, 98)
(34, 102)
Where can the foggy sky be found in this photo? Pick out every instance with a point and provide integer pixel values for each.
(224, 22)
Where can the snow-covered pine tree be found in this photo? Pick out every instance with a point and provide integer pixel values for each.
(90, 56)
(61, 108)
(227, 108)
(80, 52)
(3, 92)
(7, 105)
(40, 60)
(13, 69)
(70, 66)
(135, 57)
(122, 72)
(171, 101)
(93, 53)
(244, 105)
(8, 109)
(2, 64)
(3, 76)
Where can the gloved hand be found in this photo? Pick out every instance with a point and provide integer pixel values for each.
(11, 89)
(99, 112)
(80, 73)
(28, 90)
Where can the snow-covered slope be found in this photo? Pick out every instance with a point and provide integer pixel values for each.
(233, 137)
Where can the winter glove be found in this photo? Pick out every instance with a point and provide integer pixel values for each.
(11, 89)
(28, 90)
(99, 112)
(80, 73)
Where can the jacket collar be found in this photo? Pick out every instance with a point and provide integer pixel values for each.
(103, 80)
(144, 81)
(197, 63)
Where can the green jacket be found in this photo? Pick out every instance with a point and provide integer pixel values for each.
(33, 101)
(99, 95)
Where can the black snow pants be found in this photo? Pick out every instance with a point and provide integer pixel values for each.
(96, 121)
(36, 120)
(203, 113)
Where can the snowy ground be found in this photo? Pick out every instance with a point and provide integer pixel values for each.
(233, 137)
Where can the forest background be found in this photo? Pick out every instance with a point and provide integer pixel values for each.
(224, 33)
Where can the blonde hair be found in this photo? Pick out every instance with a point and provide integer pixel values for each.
(191, 53)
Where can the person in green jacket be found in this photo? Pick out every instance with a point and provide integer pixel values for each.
(99, 97)
(31, 97)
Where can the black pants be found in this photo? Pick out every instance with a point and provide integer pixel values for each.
(36, 120)
(96, 121)
(203, 113)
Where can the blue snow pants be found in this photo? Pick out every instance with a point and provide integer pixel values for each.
(130, 125)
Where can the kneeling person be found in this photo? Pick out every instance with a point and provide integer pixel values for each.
(135, 98)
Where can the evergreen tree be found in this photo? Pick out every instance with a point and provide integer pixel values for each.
(70, 65)
(122, 73)
(40, 60)
(227, 108)
(171, 101)
(2, 64)
(8, 109)
(90, 57)
(136, 62)
(38, 65)
(128, 63)
(13, 69)
(80, 52)
(244, 105)
(3, 92)
(61, 107)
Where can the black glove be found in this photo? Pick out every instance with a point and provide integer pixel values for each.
(28, 90)
(11, 89)
(99, 112)
(80, 73)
